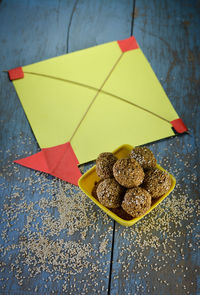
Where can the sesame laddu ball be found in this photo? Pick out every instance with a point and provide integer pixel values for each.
(128, 172)
(156, 182)
(144, 157)
(104, 165)
(110, 193)
(136, 202)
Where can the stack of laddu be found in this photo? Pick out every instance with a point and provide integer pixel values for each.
(130, 183)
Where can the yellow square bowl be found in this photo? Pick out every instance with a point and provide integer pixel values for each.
(88, 180)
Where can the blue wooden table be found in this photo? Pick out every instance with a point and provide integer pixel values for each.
(53, 239)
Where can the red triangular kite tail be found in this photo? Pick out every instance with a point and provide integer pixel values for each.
(59, 161)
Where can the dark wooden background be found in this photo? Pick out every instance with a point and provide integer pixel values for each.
(40, 253)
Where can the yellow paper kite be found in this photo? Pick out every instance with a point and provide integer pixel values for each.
(90, 101)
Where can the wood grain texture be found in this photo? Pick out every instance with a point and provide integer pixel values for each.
(159, 255)
(163, 259)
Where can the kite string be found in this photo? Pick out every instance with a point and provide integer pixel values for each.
(102, 91)
(62, 79)
(138, 106)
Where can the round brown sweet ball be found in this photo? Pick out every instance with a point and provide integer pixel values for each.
(144, 156)
(156, 182)
(128, 172)
(110, 193)
(104, 165)
(137, 201)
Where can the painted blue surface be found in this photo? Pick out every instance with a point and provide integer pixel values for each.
(168, 33)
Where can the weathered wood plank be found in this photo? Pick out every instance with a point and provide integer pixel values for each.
(159, 255)
(94, 23)
(39, 252)
(30, 31)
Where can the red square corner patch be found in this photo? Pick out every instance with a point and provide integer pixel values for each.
(16, 73)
